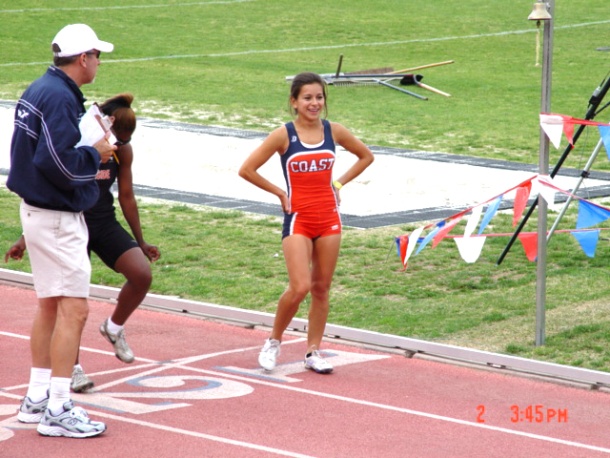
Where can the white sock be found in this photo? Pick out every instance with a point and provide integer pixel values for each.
(112, 327)
(40, 380)
(77, 367)
(59, 394)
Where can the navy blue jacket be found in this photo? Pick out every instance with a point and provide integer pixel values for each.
(47, 170)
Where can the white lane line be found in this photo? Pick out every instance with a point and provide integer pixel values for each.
(150, 367)
(12, 420)
(123, 7)
(186, 432)
(405, 411)
(317, 48)
(181, 364)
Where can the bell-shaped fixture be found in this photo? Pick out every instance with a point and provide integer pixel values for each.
(540, 12)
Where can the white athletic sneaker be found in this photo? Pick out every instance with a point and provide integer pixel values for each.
(268, 355)
(72, 422)
(121, 349)
(32, 412)
(80, 381)
(317, 364)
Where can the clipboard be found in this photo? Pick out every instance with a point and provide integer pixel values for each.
(94, 125)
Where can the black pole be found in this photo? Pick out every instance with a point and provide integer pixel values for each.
(594, 102)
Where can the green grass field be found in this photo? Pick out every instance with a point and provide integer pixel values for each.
(225, 62)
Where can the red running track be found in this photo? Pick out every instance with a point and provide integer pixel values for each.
(195, 390)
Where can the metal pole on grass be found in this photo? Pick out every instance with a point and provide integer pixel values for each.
(543, 12)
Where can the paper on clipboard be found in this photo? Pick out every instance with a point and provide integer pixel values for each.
(93, 127)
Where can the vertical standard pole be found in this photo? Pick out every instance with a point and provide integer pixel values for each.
(543, 162)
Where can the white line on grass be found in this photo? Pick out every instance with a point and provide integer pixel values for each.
(124, 7)
(316, 48)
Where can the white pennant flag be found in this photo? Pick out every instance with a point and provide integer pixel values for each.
(470, 247)
(413, 238)
(553, 128)
(473, 220)
(547, 192)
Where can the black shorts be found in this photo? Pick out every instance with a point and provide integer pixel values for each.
(109, 240)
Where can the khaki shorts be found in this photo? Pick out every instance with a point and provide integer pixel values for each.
(57, 245)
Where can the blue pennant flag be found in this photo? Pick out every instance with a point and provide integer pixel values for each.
(604, 132)
(429, 237)
(588, 241)
(491, 211)
(590, 215)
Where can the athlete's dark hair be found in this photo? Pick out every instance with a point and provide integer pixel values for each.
(302, 79)
(119, 106)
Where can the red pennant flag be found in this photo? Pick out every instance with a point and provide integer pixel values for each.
(568, 130)
(444, 231)
(403, 243)
(523, 193)
(529, 240)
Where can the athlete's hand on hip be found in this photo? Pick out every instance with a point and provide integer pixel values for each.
(285, 201)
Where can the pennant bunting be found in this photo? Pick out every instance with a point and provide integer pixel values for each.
(590, 214)
(406, 245)
(427, 239)
(470, 247)
(473, 220)
(588, 241)
(552, 125)
(523, 194)
(546, 188)
(445, 230)
(413, 238)
(604, 132)
(568, 130)
(402, 243)
(490, 212)
(529, 240)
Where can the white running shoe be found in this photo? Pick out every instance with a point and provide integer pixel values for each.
(32, 412)
(80, 381)
(268, 355)
(72, 422)
(317, 364)
(121, 349)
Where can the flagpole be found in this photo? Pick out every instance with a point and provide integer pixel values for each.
(543, 163)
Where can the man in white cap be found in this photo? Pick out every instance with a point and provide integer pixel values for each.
(56, 181)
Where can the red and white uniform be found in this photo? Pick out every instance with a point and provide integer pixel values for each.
(308, 173)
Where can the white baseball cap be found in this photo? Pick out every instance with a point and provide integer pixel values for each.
(75, 39)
